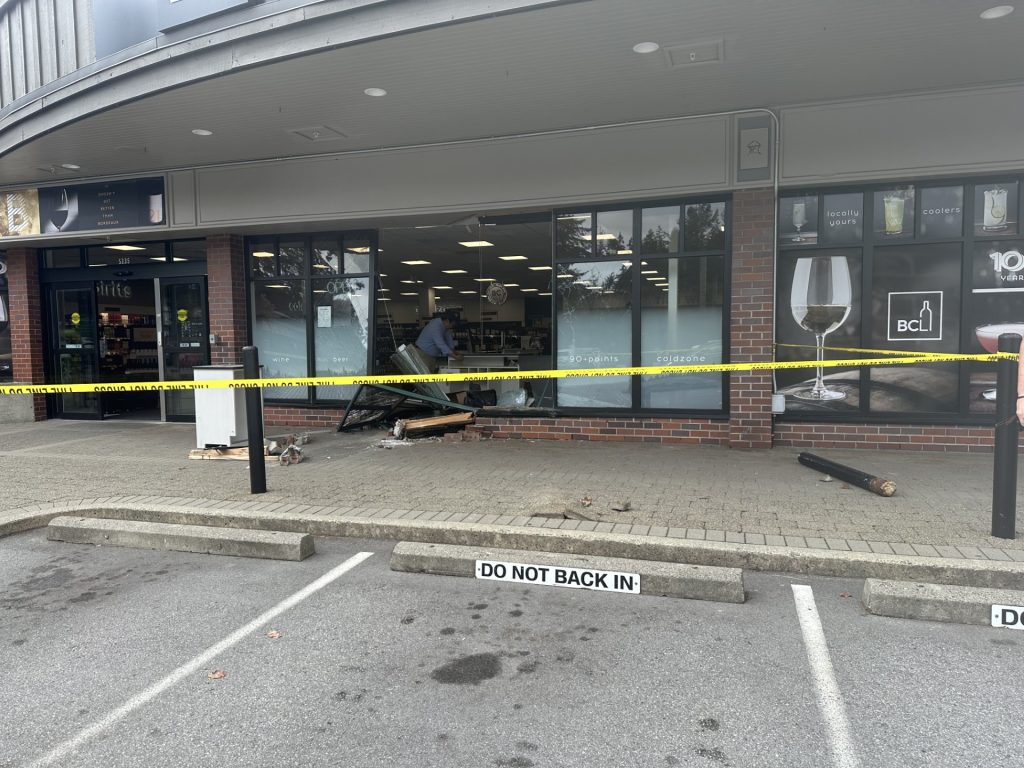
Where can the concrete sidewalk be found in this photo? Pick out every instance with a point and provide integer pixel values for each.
(942, 506)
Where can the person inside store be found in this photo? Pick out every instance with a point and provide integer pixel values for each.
(436, 340)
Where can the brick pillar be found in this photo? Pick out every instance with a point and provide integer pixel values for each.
(26, 322)
(750, 417)
(226, 286)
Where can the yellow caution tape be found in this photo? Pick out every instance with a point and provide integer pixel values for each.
(334, 381)
(861, 350)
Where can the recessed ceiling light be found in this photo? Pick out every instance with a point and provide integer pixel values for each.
(321, 266)
(263, 254)
(511, 285)
(455, 271)
(476, 244)
(530, 290)
(512, 258)
(124, 247)
(178, 258)
(202, 132)
(467, 291)
(540, 269)
(997, 12)
(648, 271)
(416, 262)
(375, 92)
(382, 274)
(413, 293)
(661, 285)
(158, 258)
(627, 263)
(566, 276)
(483, 279)
(646, 47)
(71, 166)
(384, 290)
(275, 285)
(544, 293)
(442, 288)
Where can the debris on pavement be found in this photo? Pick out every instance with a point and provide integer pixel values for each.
(850, 475)
(217, 674)
(586, 501)
(273, 634)
(412, 427)
(622, 506)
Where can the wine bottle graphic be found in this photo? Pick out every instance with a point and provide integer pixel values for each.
(925, 317)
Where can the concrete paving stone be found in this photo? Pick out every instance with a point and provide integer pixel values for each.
(621, 528)
(838, 544)
(774, 540)
(925, 550)
(658, 530)
(754, 538)
(947, 551)
(735, 538)
(587, 525)
(521, 520)
(536, 522)
(995, 554)
(795, 541)
(881, 548)
(1016, 555)
(458, 517)
(639, 530)
(604, 527)
(554, 522)
(972, 553)
(441, 517)
(858, 545)
(816, 542)
(714, 535)
(570, 525)
(488, 519)
(903, 549)
(696, 533)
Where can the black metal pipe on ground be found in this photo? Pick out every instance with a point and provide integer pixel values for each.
(1004, 470)
(254, 421)
(848, 474)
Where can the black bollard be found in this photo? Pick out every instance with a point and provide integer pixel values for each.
(254, 418)
(1004, 476)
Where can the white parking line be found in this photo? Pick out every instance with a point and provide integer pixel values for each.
(830, 700)
(195, 664)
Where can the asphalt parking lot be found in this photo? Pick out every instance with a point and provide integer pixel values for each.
(106, 659)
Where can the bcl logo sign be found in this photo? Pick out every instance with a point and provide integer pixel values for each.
(915, 316)
(1011, 616)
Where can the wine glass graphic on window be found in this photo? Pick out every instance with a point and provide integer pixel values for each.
(821, 298)
(64, 213)
(799, 219)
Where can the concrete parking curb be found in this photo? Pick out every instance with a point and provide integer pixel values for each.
(936, 602)
(236, 542)
(694, 582)
(348, 523)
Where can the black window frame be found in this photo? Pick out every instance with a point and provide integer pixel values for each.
(636, 305)
(869, 243)
(308, 276)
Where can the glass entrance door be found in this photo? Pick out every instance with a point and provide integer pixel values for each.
(184, 340)
(73, 344)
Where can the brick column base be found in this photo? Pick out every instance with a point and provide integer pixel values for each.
(751, 308)
(26, 313)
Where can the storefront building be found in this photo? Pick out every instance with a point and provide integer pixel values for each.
(620, 199)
